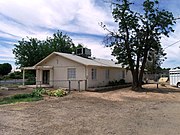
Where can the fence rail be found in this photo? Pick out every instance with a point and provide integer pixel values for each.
(13, 81)
(68, 84)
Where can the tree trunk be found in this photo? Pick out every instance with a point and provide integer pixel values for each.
(136, 85)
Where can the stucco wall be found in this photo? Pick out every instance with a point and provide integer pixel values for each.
(101, 80)
(58, 76)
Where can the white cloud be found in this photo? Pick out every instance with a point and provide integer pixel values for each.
(24, 18)
(172, 48)
(27, 18)
(69, 15)
(6, 52)
(98, 50)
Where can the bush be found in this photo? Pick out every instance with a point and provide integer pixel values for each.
(56, 93)
(16, 75)
(115, 83)
(38, 92)
(122, 81)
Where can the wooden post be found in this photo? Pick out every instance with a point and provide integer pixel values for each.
(23, 77)
(85, 84)
(69, 86)
(79, 85)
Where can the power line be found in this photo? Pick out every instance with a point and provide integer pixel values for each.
(172, 44)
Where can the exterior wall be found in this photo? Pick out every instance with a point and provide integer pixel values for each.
(101, 80)
(58, 75)
(59, 78)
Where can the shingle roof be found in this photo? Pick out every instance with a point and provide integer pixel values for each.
(86, 61)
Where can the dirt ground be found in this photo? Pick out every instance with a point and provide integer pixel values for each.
(119, 112)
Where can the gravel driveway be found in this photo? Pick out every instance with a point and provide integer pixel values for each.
(120, 112)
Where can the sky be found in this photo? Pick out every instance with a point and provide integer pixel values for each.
(79, 19)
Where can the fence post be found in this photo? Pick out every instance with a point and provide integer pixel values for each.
(69, 86)
(79, 85)
(23, 77)
(85, 84)
(40, 84)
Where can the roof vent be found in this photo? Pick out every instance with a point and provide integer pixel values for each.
(83, 52)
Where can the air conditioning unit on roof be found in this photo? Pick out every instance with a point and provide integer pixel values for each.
(84, 52)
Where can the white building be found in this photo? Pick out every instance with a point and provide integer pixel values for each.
(62, 70)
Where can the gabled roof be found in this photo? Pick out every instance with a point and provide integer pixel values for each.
(84, 61)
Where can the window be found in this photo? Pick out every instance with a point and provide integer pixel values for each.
(93, 73)
(71, 73)
(107, 73)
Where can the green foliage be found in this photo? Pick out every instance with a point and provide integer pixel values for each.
(30, 76)
(137, 34)
(30, 81)
(115, 83)
(122, 81)
(5, 68)
(30, 52)
(38, 92)
(56, 93)
(20, 98)
(34, 96)
(14, 75)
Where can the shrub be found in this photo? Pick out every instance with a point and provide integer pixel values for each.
(122, 81)
(34, 96)
(38, 92)
(115, 83)
(56, 93)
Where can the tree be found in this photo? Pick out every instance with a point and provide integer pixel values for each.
(5, 68)
(16, 75)
(31, 51)
(154, 61)
(137, 34)
(60, 43)
(27, 52)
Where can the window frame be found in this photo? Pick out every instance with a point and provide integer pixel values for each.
(71, 73)
(94, 74)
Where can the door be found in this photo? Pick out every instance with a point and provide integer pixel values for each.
(46, 75)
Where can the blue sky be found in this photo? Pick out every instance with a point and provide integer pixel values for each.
(78, 18)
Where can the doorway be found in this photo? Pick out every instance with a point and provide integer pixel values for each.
(46, 75)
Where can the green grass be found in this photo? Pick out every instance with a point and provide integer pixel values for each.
(10, 100)
(20, 98)
(34, 96)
